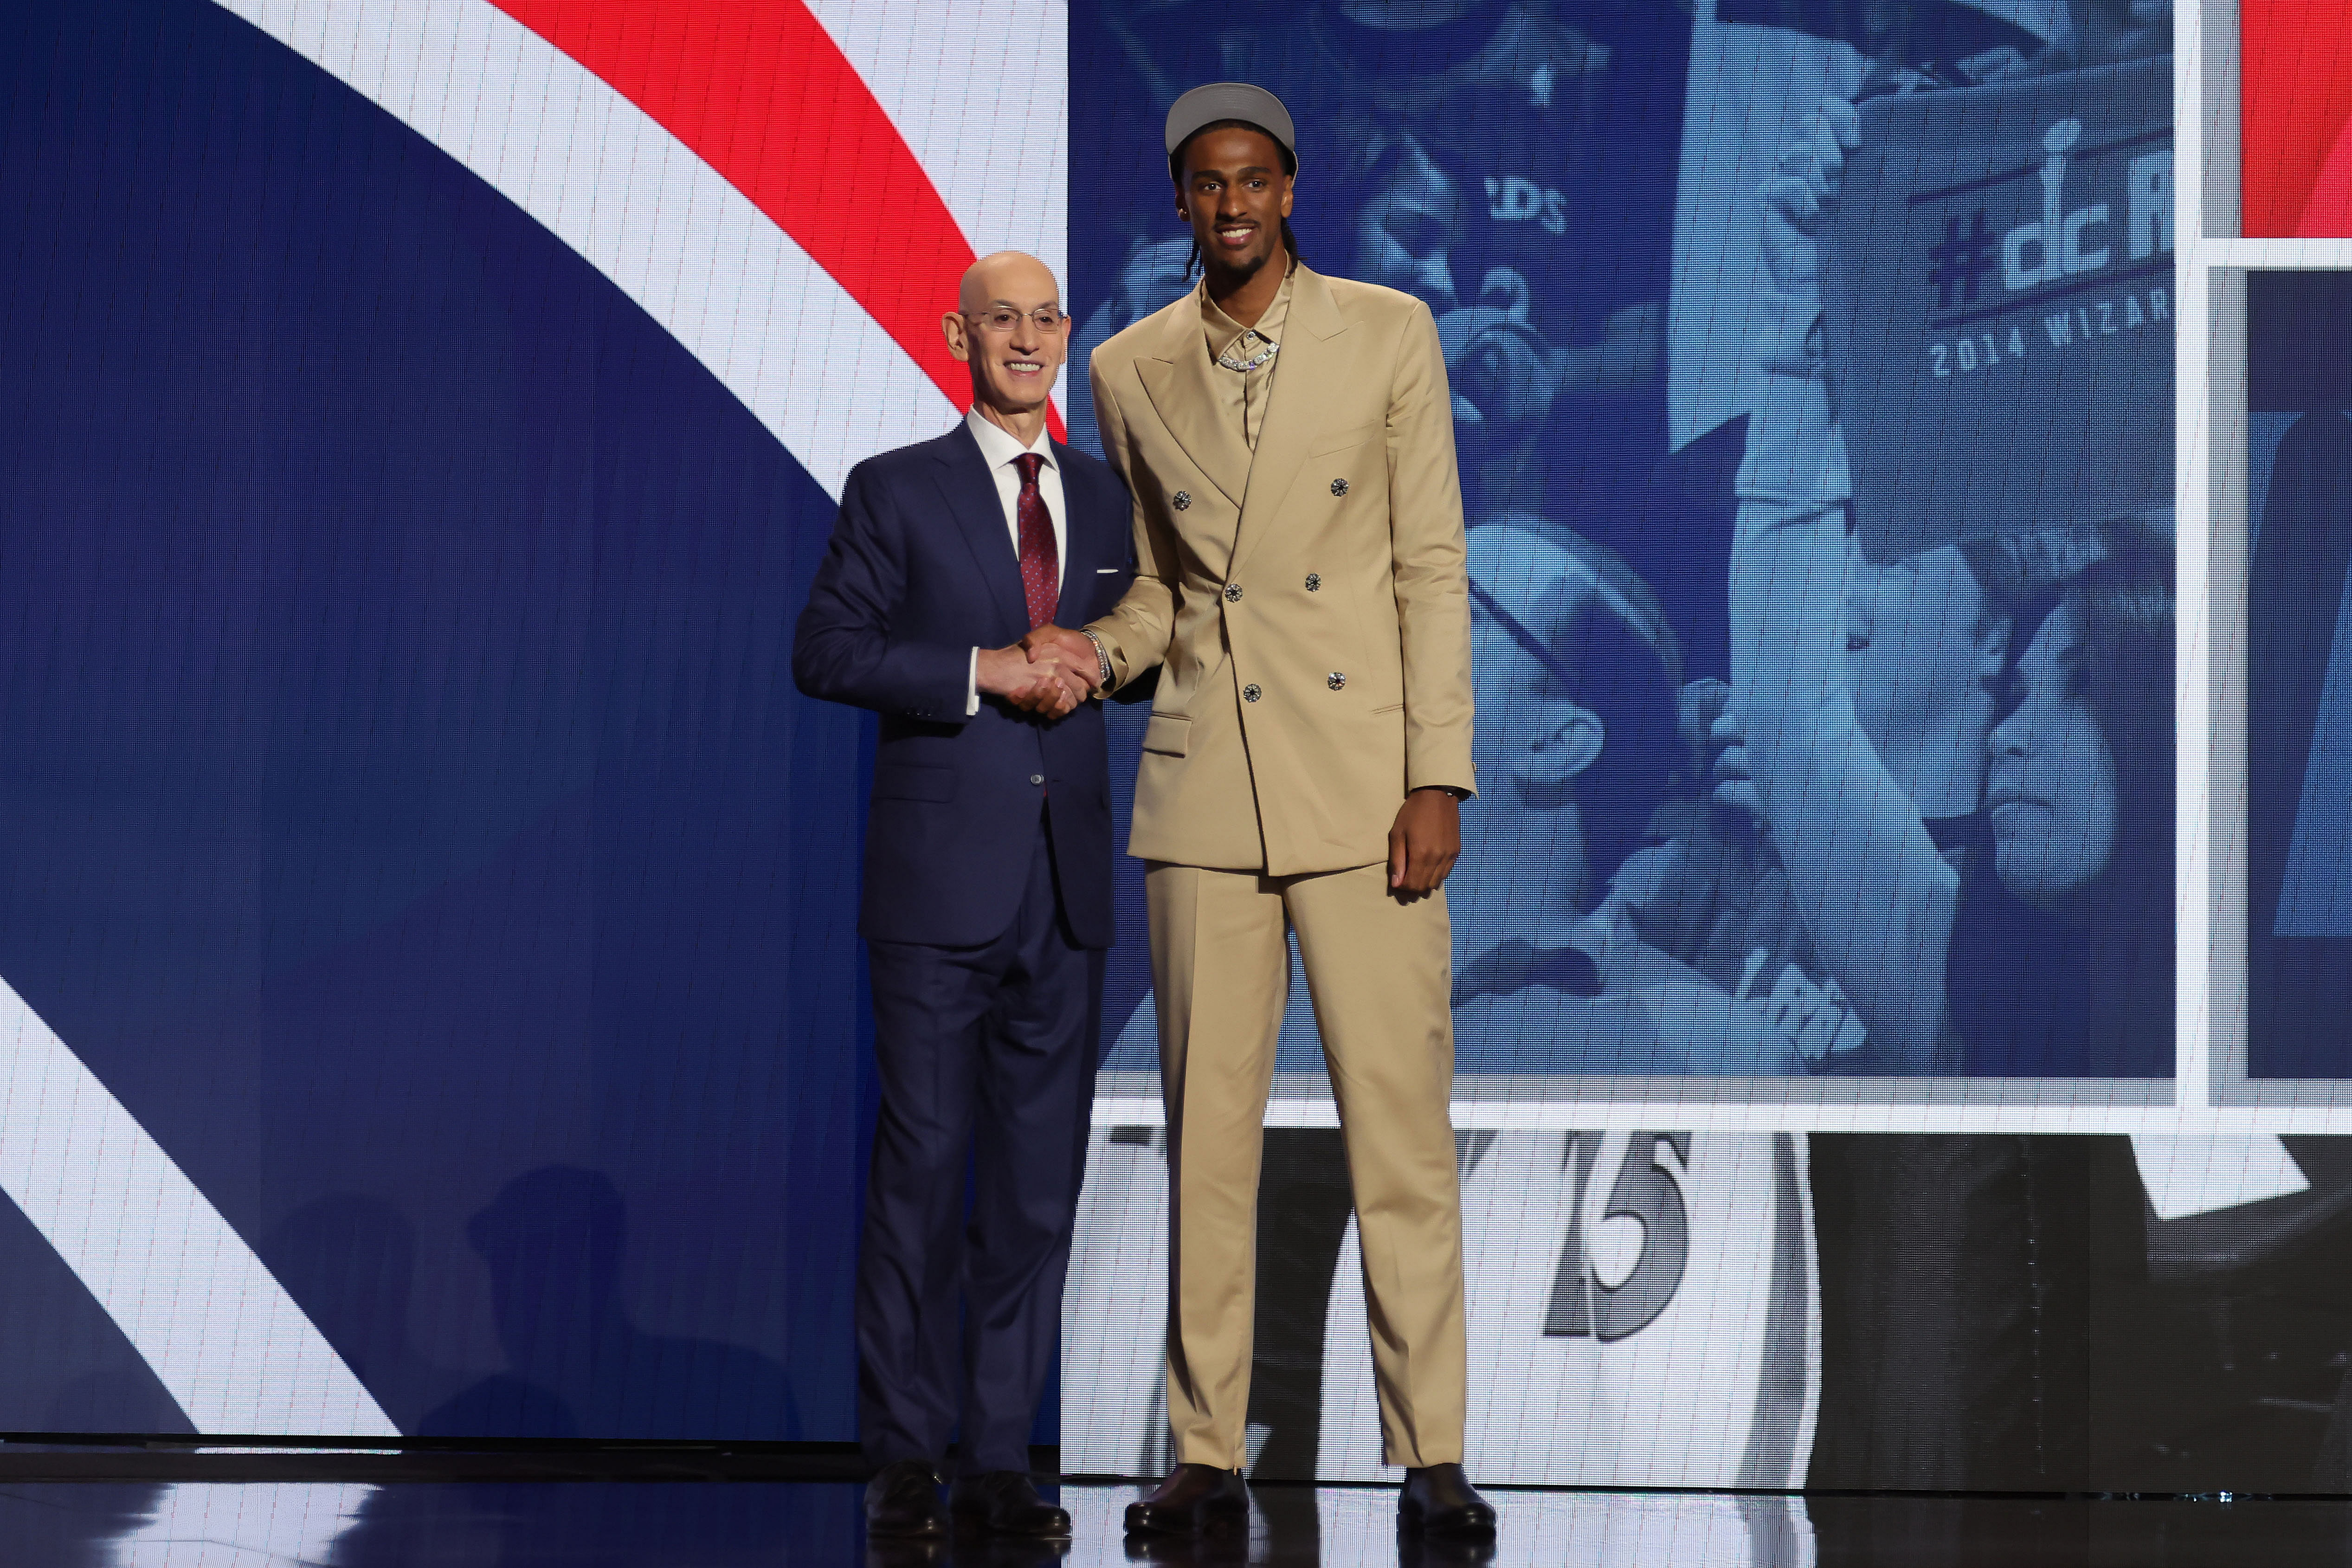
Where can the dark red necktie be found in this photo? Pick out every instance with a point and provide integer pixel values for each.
(1041, 565)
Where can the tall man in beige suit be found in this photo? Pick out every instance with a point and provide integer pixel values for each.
(1290, 442)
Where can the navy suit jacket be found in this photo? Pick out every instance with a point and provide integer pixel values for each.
(921, 570)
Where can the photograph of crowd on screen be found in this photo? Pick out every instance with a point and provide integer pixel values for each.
(1704, 679)
(1825, 729)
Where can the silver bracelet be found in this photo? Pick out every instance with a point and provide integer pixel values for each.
(1102, 659)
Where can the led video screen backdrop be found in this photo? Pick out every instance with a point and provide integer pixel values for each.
(1812, 377)
(433, 1003)
(1579, 196)
(433, 997)
(2299, 839)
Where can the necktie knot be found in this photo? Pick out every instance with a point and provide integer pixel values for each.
(1029, 463)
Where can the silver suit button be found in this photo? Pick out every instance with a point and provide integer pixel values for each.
(1339, 486)
(1250, 693)
(1232, 593)
(1036, 778)
(1183, 500)
(1314, 582)
(1334, 680)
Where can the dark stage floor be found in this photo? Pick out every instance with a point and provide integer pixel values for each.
(140, 1509)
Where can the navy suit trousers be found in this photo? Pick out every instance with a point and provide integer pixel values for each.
(987, 1059)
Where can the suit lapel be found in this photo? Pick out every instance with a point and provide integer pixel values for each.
(970, 492)
(1084, 537)
(1177, 380)
(1295, 417)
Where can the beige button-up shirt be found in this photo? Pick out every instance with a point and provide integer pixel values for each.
(1243, 395)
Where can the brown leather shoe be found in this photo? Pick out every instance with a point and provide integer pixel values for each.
(1193, 1500)
(1004, 1502)
(1438, 1499)
(902, 1502)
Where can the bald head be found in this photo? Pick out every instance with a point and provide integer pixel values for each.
(1008, 326)
(1009, 277)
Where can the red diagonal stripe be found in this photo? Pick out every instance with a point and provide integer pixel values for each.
(760, 91)
(2295, 92)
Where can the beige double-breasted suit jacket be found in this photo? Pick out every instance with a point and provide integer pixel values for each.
(1309, 600)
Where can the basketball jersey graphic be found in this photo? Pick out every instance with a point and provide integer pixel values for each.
(1642, 1311)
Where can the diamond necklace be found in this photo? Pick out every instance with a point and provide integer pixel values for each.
(1230, 361)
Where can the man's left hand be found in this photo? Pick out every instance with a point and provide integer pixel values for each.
(1424, 843)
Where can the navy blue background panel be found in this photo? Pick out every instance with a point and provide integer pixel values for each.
(2298, 766)
(405, 809)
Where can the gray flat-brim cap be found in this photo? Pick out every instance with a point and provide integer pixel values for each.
(1216, 100)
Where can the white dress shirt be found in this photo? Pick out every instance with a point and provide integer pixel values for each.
(999, 448)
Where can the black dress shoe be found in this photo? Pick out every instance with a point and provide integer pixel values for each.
(1438, 1500)
(1192, 1501)
(902, 1502)
(1004, 1502)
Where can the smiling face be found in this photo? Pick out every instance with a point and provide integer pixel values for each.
(1235, 195)
(2052, 791)
(1012, 371)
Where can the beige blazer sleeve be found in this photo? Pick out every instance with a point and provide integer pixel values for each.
(1430, 563)
(1135, 635)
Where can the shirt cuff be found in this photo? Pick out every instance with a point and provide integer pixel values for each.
(971, 687)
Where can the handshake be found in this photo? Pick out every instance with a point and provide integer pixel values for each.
(1048, 673)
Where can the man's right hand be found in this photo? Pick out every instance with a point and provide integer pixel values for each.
(1801, 199)
(1807, 179)
(1074, 651)
(1039, 683)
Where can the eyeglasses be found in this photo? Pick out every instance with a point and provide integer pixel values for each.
(1047, 318)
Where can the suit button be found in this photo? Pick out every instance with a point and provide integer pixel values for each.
(1314, 582)
(1036, 778)
(1232, 593)
(1250, 693)
(1334, 680)
(1339, 486)
(1182, 499)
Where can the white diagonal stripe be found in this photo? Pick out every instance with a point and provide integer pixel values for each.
(219, 1330)
(605, 178)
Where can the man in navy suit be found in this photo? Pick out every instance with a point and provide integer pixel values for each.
(987, 901)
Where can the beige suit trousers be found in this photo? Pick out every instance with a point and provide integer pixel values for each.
(1381, 973)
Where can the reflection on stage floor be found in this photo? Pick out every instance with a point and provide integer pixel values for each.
(680, 1525)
